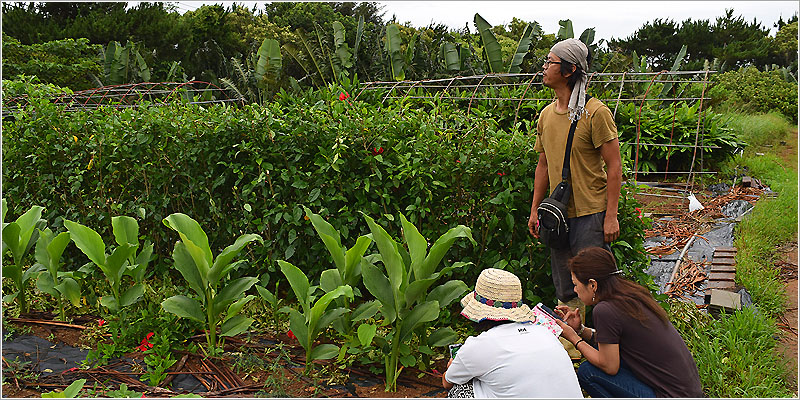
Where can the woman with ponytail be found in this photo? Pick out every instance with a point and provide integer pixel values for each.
(634, 351)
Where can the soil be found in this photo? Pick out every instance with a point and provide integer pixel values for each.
(787, 348)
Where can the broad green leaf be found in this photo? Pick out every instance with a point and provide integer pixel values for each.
(353, 260)
(27, 227)
(9, 298)
(126, 230)
(329, 235)
(377, 284)
(565, 30)
(131, 295)
(56, 248)
(330, 280)
(11, 240)
(266, 294)
(365, 334)
(389, 254)
(365, 310)
(237, 306)
(425, 312)
(492, 49)
(675, 66)
(88, 241)
(343, 54)
(327, 318)
(71, 391)
(450, 55)
(448, 292)
(70, 289)
(232, 291)
(144, 72)
(45, 283)
(110, 302)
(392, 43)
(442, 337)
(359, 34)
(440, 248)
(188, 227)
(235, 325)
(268, 59)
(115, 263)
(12, 271)
(202, 263)
(226, 256)
(32, 271)
(185, 265)
(522, 50)
(184, 307)
(299, 282)
(40, 253)
(321, 305)
(417, 246)
(297, 323)
(324, 351)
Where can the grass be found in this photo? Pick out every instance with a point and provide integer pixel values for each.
(735, 355)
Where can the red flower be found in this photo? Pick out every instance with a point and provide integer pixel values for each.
(639, 210)
(291, 335)
(101, 322)
(458, 161)
(145, 345)
(501, 173)
(377, 151)
(343, 96)
(72, 369)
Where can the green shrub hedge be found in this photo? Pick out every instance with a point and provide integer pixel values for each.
(749, 89)
(251, 169)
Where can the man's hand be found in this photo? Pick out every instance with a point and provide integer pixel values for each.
(533, 224)
(610, 228)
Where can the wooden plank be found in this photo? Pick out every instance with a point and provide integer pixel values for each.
(721, 276)
(722, 268)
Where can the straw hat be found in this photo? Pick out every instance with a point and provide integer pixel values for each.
(498, 297)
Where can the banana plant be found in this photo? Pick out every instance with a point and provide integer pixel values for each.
(406, 304)
(58, 284)
(392, 43)
(454, 56)
(205, 275)
(122, 64)
(344, 56)
(675, 66)
(524, 45)
(491, 47)
(114, 265)
(252, 78)
(347, 272)
(18, 237)
(315, 317)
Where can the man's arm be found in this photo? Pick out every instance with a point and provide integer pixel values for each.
(541, 181)
(610, 153)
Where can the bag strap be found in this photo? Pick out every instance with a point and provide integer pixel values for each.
(567, 150)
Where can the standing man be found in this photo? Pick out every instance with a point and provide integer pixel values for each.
(592, 208)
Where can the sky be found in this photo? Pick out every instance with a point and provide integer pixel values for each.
(618, 19)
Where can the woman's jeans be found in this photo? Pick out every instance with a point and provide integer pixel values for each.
(600, 384)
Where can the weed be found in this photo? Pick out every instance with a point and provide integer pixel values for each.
(759, 129)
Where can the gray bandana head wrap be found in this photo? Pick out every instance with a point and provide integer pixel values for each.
(575, 52)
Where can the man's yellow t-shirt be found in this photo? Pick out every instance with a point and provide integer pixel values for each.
(588, 178)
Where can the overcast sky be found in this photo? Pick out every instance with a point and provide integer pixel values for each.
(617, 19)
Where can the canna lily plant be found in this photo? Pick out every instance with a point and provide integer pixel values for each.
(315, 316)
(219, 301)
(58, 284)
(18, 237)
(402, 290)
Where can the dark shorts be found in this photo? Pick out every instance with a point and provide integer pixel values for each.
(585, 231)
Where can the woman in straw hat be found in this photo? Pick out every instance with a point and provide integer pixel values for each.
(513, 356)
(635, 351)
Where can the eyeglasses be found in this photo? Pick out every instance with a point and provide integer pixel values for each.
(548, 62)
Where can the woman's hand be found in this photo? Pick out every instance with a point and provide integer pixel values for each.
(571, 317)
(567, 332)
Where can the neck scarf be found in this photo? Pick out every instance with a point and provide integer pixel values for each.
(575, 52)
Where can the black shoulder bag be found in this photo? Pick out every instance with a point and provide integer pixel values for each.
(553, 229)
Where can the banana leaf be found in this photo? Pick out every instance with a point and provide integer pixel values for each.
(565, 30)
(392, 46)
(522, 50)
(492, 49)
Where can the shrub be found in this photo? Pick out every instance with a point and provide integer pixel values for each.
(752, 90)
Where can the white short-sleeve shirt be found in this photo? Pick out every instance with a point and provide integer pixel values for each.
(515, 360)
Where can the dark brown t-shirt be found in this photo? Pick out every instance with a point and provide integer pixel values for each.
(655, 352)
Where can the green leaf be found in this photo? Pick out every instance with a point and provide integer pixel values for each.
(70, 392)
(565, 30)
(365, 310)
(266, 295)
(237, 306)
(88, 241)
(110, 302)
(45, 283)
(316, 312)
(353, 260)
(491, 48)
(189, 228)
(115, 263)
(297, 323)
(380, 287)
(232, 291)
(299, 282)
(330, 236)
(417, 246)
(365, 334)
(27, 227)
(324, 351)
(235, 325)
(131, 295)
(587, 37)
(228, 254)
(330, 280)
(184, 263)
(442, 337)
(11, 240)
(450, 55)
(440, 248)
(56, 248)
(448, 292)
(126, 230)
(184, 307)
(522, 49)
(70, 289)
(392, 46)
(328, 318)
(425, 312)
(389, 253)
